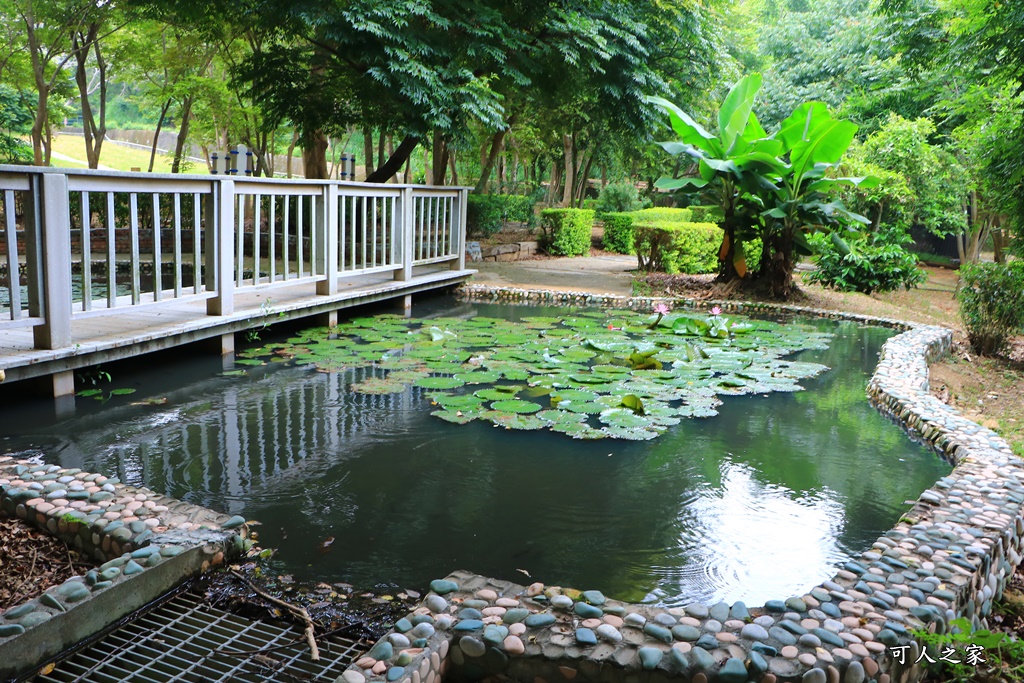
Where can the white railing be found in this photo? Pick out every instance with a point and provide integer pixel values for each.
(88, 243)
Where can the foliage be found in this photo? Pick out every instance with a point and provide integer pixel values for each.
(875, 263)
(997, 651)
(567, 232)
(772, 186)
(618, 198)
(486, 214)
(15, 120)
(991, 297)
(669, 247)
(890, 204)
(704, 214)
(618, 233)
(937, 181)
(587, 374)
(664, 215)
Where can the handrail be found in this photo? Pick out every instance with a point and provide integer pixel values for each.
(85, 242)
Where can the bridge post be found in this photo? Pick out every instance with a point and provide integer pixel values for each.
(220, 247)
(462, 204)
(327, 224)
(54, 257)
(406, 234)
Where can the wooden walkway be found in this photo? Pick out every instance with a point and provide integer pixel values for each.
(236, 254)
(105, 338)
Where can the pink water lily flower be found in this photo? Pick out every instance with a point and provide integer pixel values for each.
(716, 310)
(661, 309)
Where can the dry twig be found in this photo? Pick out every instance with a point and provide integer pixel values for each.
(299, 612)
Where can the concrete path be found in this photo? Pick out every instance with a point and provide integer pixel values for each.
(608, 274)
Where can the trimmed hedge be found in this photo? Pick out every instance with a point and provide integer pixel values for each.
(704, 214)
(567, 231)
(618, 233)
(678, 247)
(618, 227)
(486, 214)
(690, 247)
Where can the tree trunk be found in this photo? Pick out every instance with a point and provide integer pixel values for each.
(497, 142)
(93, 132)
(394, 164)
(368, 151)
(780, 276)
(570, 176)
(439, 161)
(381, 141)
(554, 182)
(186, 122)
(314, 155)
(156, 135)
(291, 151)
(997, 243)
(584, 180)
(452, 167)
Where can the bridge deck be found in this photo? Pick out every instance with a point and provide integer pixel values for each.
(143, 329)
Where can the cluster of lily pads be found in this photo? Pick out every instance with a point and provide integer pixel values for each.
(590, 374)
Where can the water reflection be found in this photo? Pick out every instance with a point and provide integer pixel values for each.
(760, 502)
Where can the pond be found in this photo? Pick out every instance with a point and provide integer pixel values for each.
(762, 501)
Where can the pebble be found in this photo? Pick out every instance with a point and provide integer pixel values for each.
(472, 647)
(754, 632)
(609, 633)
(650, 657)
(513, 645)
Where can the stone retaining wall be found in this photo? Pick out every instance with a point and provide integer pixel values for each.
(147, 544)
(949, 556)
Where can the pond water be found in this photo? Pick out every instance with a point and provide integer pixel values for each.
(762, 501)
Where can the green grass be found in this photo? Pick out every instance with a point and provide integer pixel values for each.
(115, 156)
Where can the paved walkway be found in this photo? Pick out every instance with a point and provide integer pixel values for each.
(607, 274)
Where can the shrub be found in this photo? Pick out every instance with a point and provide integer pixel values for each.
(663, 215)
(678, 247)
(991, 297)
(567, 231)
(877, 264)
(618, 198)
(618, 233)
(483, 215)
(705, 214)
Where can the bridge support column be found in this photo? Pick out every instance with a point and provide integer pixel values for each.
(63, 385)
(406, 305)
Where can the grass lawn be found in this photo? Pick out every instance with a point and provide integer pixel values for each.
(115, 156)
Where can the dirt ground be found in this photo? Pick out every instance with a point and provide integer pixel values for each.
(31, 562)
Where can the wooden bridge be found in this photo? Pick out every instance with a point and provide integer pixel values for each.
(98, 266)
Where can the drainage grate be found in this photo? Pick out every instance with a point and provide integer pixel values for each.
(180, 640)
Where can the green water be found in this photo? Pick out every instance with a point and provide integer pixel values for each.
(763, 501)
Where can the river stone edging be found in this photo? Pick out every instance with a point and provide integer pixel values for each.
(148, 543)
(949, 556)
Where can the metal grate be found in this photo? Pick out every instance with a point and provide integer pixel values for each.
(180, 640)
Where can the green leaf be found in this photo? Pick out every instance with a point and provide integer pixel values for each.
(634, 403)
(678, 183)
(439, 383)
(734, 114)
(688, 130)
(121, 392)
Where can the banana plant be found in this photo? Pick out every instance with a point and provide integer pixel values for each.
(812, 144)
(734, 167)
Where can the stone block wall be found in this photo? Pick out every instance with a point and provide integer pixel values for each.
(949, 556)
(147, 544)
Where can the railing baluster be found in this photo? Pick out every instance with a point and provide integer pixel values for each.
(284, 233)
(272, 244)
(384, 254)
(240, 237)
(342, 231)
(158, 257)
(363, 230)
(353, 243)
(196, 239)
(257, 216)
(133, 210)
(111, 253)
(373, 223)
(177, 244)
(13, 263)
(86, 254)
(298, 237)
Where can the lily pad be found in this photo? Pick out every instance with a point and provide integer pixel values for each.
(515, 406)
(377, 385)
(460, 417)
(439, 383)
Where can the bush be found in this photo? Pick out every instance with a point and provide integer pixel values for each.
(567, 231)
(618, 198)
(486, 214)
(877, 264)
(991, 297)
(678, 247)
(705, 214)
(664, 215)
(618, 233)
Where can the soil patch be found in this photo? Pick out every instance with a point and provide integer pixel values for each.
(32, 561)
